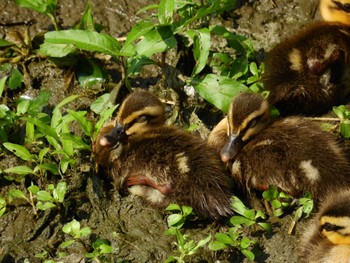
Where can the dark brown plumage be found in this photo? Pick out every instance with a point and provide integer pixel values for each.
(309, 72)
(292, 153)
(160, 163)
(327, 237)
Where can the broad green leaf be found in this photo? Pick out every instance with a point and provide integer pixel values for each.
(238, 205)
(2, 85)
(19, 151)
(157, 40)
(44, 196)
(87, 21)
(187, 210)
(45, 206)
(217, 245)
(36, 105)
(175, 219)
(245, 242)
(136, 63)
(201, 48)
(85, 40)
(165, 11)
(345, 130)
(43, 127)
(2, 211)
(240, 220)
(101, 104)
(201, 243)
(21, 170)
(224, 238)
(85, 231)
(72, 228)
(265, 226)
(22, 107)
(42, 154)
(250, 214)
(106, 249)
(51, 167)
(15, 79)
(75, 141)
(276, 204)
(57, 50)
(218, 90)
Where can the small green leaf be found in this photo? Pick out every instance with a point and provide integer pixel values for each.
(60, 191)
(173, 207)
(57, 50)
(15, 80)
(85, 231)
(21, 170)
(45, 206)
(106, 249)
(240, 220)
(245, 242)
(33, 189)
(41, 6)
(66, 243)
(44, 196)
(89, 72)
(2, 85)
(217, 245)
(175, 219)
(248, 254)
(19, 151)
(201, 48)
(17, 193)
(51, 167)
(22, 107)
(187, 210)
(42, 153)
(85, 124)
(5, 43)
(224, 238)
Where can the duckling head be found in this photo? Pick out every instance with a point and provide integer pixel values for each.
(335, 224)
(248, 115)
(139, 113)
(320, 58)
(335, 11)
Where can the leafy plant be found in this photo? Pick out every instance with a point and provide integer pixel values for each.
(100, 248)
(74, 230)
(279, 201)
(247, 216)
(46, 7)
(344, 115)
(41, 199)
(177, 220)
(234, 239)
(2, 206)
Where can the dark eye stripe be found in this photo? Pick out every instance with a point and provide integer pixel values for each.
(331, 227)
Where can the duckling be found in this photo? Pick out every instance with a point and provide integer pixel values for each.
(162, 164)
(293, 153)
(309, 72)
(327, 238)
(335, 11)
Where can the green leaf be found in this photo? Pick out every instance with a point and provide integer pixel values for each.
(175, 219)
(240, 220)
(17, 193)
(157, 40)
(85, 124)
(85, 40)
(106, 249)
(19, 151)
(22, 107)
(67, 243)
(45, 206)
(218, 90)
(72, 228)
(238, 206)
(85, 231)
(201, 243)
(21, 169)
(57, 50)
(265, 226)
(173, 207)
(60, 191)
(104, 117)
(33, 189)
(217, 245)
(42, 127)
(87, 21)
(41, 6)
(36, 105)
(224, 238)
(249, 213)
(51, 167)
(345, 130)
(245, 242)
(89, 73)
(201, 48)
(42, 153)
(248, 254)
(44, 196)
(75, 141)
(5, 43)
(165, 11)
(136, 63)
(15, 80)
(2, 85)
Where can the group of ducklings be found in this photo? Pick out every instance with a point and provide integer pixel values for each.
(306, 74)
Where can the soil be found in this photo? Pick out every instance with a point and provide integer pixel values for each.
(135, 231)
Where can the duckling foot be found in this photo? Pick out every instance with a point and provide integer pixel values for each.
(143, 180)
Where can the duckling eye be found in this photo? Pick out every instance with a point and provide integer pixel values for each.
(346, 8)
(141, 119)
(331, 227)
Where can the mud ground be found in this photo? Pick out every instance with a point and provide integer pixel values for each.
(133, 229)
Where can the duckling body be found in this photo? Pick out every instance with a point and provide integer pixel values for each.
(335, 11)
(292, 153)
(309, 72)
(162, 164)
(327, 237)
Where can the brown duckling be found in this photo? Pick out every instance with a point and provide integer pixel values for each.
(293, 153)
(327, 238)
(335, 11)
(163, 164)
(309, 72)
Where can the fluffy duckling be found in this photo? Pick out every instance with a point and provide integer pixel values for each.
(335, 11)
(309, 72)
(292, 153)
(160, 163)
(327, 238)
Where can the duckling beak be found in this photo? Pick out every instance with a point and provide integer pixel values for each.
(115, 135)
(231, 148)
